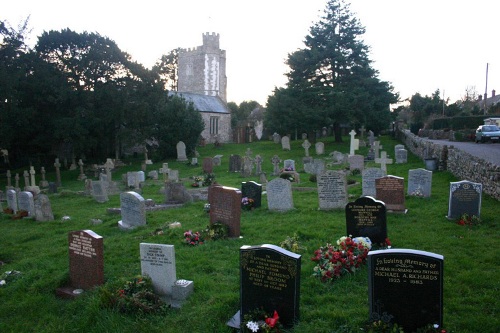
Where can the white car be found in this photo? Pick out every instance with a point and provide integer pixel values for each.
(487, 133)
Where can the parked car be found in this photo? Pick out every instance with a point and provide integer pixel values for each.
(487, 133)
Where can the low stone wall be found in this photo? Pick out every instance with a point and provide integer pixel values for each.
(461, 164)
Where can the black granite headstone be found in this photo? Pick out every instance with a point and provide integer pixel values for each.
(406, 286)
(234, 163)
(270, 279)
(252, 190)
(367, 217)
(465, 197)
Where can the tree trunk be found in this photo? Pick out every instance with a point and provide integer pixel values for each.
(337, 131)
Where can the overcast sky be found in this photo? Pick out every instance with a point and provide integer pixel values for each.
(416, 45)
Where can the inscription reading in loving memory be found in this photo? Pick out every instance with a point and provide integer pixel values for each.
(366, 215)
(266, 272)
(155, 257)
(406, 271)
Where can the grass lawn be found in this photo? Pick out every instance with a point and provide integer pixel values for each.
(39, 250)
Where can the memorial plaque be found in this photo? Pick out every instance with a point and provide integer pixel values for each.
(279, 195)
(133, 210)
(406, 286)
(465, 197)
(225, 207)
(391, 191)
(419, 182)
(332, 190)
(368, 180)
(270, 279)
(366, 217)
(252, 190)
(158, 262)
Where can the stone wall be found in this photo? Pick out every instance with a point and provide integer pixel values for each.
(461, 164)
(224, 134)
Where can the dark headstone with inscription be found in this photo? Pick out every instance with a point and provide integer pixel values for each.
(208, 165)
(234, 163)
(465, 198)
(366, 217)
(332, 190)
(391, 190)
(270, 279)
(252, 190)
(406, 286)
(86, 263)
(225, 207)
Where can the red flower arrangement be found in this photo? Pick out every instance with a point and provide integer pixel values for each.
(193, 238)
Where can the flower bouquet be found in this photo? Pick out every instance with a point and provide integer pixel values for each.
(247, 203)
(193, 238)
(259, 321)
(137, 295)
(345, 258)
(216, 231)
(468, 220)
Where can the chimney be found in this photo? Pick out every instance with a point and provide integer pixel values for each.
(493, 93)
(480, 98)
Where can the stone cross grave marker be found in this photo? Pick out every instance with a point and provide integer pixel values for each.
(332, 190)
(306, 145)
(81, 176)
(368, 180)
(26, 203)
(352, 146)
(391, 190)
(383, 161)
(270, 279)
(32, 176)
(407, 286)
(279, 195)
(247, 166)
(419, 182)
(26, 179)
(258, 164)
(376, 147)
(9, 179)
(133, 210)
(164, 171)
(225, 207)
(86, 263)
(181, 151)
(362, 130)
(252, 190)
(276, 165)
(43, 182)
(285, 143)
(465, 198)
(367, 217)
(57, 165)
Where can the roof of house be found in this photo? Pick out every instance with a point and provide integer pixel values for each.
(489, 101)
(204, 103)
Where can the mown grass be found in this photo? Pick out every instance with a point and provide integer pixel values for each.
(40, 251)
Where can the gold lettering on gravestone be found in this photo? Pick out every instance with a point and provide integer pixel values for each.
(406, 271)
(366, 215)
(467, 195)
(266, 272)
(82, 246)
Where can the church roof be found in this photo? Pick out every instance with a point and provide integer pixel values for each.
(204, 103)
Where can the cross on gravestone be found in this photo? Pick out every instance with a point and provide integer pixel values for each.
(352, 133)
(32, 176)
(57, 165)
(258, 164)
(383, 161)
(164, 170)
(17, 180)
(276, 165)
(26, 176)
(306, 145)
(43, 182)
(9, 179)
(81, 176)
(362, 130)
(376, 147)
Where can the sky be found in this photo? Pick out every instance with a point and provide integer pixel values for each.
(418, 46)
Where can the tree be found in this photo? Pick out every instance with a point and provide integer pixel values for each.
(331, 80)
(167, 70)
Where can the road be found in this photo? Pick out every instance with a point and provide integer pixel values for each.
(487, 151)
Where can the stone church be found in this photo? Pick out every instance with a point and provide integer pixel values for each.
(202, 80)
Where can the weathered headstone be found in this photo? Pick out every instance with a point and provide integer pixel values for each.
(368, 180)
(356, 162)
(225, 207)
(175, 192)
(276, 138)
(133, 210)
(383, 161)
(276, 165)
(270, 279)
(158, 262)
(12, 200)
(419, 182)
(86, 263)
(465, 198)
(26, 203)
(217, 160)
(258, 164)
(332, 189)
(406, 286)
(391, 190)
(289, 165)
(376, 147)
(173, 175)
(234, 163)
(279, 195)
(252, 190)
(398, 147)
(208, 165)
(320, 148)
(285, 143)
(316, 167)
(247, 166)
(338, 157)
(181, 151)
(82, 175)
(43, 209)
(99, 191)
(401, 156)
(367, 217)
(306, 145)
(371, 138)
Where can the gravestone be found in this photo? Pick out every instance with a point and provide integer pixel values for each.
(194, 161)
(279, 195)
(289, 165)
(141, 176)
(276, 138)
(217, 160)
(352, 145)
(338, 157)
(173, 175)
(320, 148)
(368, 180)
(383, 161)
(465, 198)
(133, 210)
(181, 151)
(57, 165)
(26, 203)
(285, 143)
(356, 162)
(419, 182)
(153, 174)
(398, 147)
(370, 156)
(132, 179)
(406, 286)
(99, 191)
(371, 138)
(164, 171)
(276, 165)
(332, 189)
(252, 190)
(12, 200)
(366, 217)
(208, 165)
(316, 167)
(43, 209)
(270, 279)
(247, 166)
(401, 156)
(158, 262)
(258, 165)
(234, 163)
(391, 190)
(175, 192)
(86, 263)
(376, 147)
(306, 145)
(225, 207)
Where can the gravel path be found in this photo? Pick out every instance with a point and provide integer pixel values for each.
(487, 151)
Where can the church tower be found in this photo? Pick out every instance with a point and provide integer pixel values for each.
(202, 70)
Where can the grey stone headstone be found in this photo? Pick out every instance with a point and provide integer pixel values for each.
(465, 197)
(356, 162)
(99, 191)
(217, 159)
(158, 262)
(26, 202)
(43, 209)
(133, 210)
(289, 165)
(419, 182)
(398, 147)
(332, 190)
(368, 180)
(401, 156)
(173, 175)
(12, 200)
(338, 157)
(279, 195)
(175, 192)
(181, 151)
(276, 138)
(285, 143)
(320, 148)
(316, 167)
